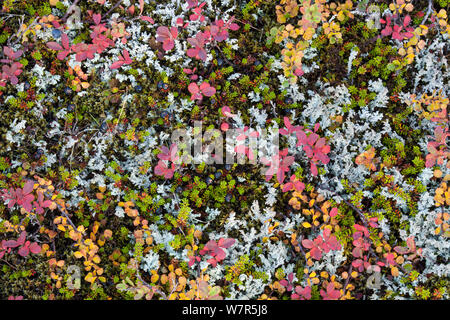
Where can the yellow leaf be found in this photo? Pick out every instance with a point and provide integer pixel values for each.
(95, 228)
(129, 204)
(394, 271)
(60, 227)
(53, 2)
(154, 278)
(108, 233)
(421, 44)
(77, 254)
(409, 7)
(90, 278)
(437, 173)
(306, 224)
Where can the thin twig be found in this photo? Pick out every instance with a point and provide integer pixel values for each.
(21, 33)
(69, 10)
(349, 272)
(429, 10)
(4, 260)
(114, 7)
(149, 286)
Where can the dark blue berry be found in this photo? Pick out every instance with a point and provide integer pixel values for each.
(160, 85)
(38, 154)
(70, 107)
(217, 175)
(179, 190)
(138, 88)
(104, 127)
(67, 90)
(208, 180)
(257, 63)
(228, 197)
(27, 85)
(164, 114)
(213, 101)
(165, 86)
(31, 63)
(56, 33)
(228, 167)
(159, 210)
(219, 61)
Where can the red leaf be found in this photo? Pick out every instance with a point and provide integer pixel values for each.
(54, 45)
(148, 19)
(28, 187)
(193, 88)
(386, 31)
(314, 169)
(9, 52)
(116, 65)
(307, 243)
(35, 248)
(220, 254)
(10, 244)
(174, 32)
(211, 245)
(126, 55)
(212, 261)
(288, 186)
(316, 253)
(22, 237)
(97, 18)
(141, 6)
(401, 250)
(65, 41)
(234, 27)
(406, 21)
(316, 127)
(168, 45)
(24, 251)
(208, 91)
(333, 212)
(62, 55)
